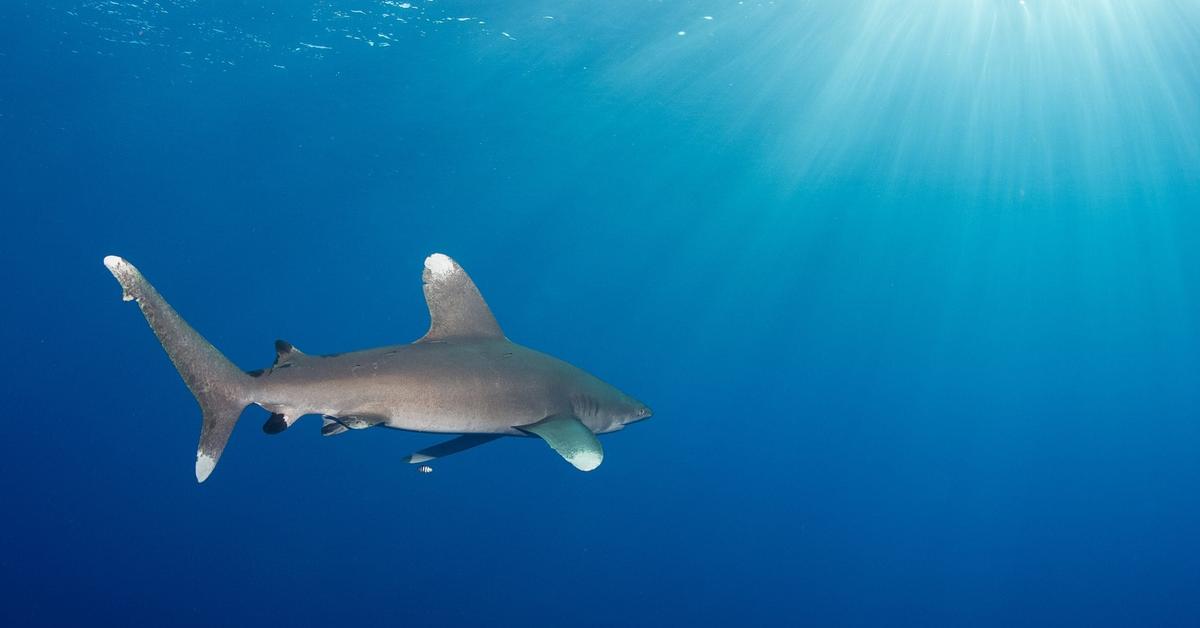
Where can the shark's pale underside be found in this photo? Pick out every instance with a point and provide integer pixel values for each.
(462, 377)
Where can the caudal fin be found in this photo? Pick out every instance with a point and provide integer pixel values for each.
(222, 389)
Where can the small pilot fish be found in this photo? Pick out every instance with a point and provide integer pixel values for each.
(424, 469)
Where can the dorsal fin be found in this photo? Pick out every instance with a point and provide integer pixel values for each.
(285, 352)
(456, 309)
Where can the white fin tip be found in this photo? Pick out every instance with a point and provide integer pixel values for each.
(124, 272)
(440, 265)
(586, 460)
(204, 466)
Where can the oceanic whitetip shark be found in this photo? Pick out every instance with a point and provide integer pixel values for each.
(462, 377)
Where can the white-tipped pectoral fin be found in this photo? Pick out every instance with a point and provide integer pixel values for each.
(567, 435)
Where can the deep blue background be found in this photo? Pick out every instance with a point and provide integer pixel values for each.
(912, 289)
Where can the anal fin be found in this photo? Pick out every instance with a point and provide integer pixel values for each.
(278, 422)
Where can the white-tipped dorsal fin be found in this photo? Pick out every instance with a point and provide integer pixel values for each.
(456, 309)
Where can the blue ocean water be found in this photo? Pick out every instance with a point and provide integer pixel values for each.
(913, 289)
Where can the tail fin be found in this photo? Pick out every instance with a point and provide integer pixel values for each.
(222, 389)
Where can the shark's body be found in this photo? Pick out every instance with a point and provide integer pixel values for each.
(462, 377)
(488, 386)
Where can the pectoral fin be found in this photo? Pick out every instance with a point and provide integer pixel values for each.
(567, 435)
(452, 446)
